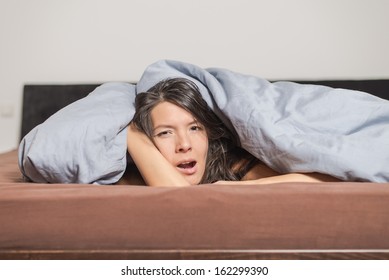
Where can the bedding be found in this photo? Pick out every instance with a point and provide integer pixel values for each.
(289, 126)
(84, 142)
(343, 220)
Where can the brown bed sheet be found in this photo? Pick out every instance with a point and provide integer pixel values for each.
(268, 221)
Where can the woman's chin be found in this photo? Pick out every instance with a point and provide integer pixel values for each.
(194, 179)
(192, 175)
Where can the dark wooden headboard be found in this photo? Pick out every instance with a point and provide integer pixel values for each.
(41, 101)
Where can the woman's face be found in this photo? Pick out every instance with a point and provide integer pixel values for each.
(181, 140)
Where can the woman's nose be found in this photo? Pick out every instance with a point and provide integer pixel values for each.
(183, 144)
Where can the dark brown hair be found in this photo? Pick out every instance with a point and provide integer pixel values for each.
(222, 154)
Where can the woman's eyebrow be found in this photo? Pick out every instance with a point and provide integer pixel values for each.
(164, 126)
(160, 126)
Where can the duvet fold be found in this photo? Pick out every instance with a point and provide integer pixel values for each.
(290, 127)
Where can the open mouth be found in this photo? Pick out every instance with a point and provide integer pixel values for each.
(187, 167)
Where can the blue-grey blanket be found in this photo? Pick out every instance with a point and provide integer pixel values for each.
(289, 126)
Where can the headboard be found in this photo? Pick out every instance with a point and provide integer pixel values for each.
(41, 101)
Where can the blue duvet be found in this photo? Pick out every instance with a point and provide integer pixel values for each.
(290, 127)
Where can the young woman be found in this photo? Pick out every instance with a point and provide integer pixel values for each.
(175, 139)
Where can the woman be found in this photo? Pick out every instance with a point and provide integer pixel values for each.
(175, 139)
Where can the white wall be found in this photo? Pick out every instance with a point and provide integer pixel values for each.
(81, 41)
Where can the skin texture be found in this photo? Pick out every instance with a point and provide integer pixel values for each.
(153, 167)
(181, 140)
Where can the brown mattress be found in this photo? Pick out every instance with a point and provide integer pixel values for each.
(279, 221)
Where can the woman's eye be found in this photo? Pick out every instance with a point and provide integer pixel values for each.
(163, 133)
(195, 128)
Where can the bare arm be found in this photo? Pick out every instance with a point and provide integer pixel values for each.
(286, 178)
(154, 168)
(262, 174)
(296, 177)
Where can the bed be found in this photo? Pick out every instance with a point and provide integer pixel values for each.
(347, 220)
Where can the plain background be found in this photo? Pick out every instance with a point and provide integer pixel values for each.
(95, 41)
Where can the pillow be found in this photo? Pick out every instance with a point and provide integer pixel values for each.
(85, 142)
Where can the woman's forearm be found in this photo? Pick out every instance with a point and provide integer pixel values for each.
(298, 177)
(154, 168)
(286, 178)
